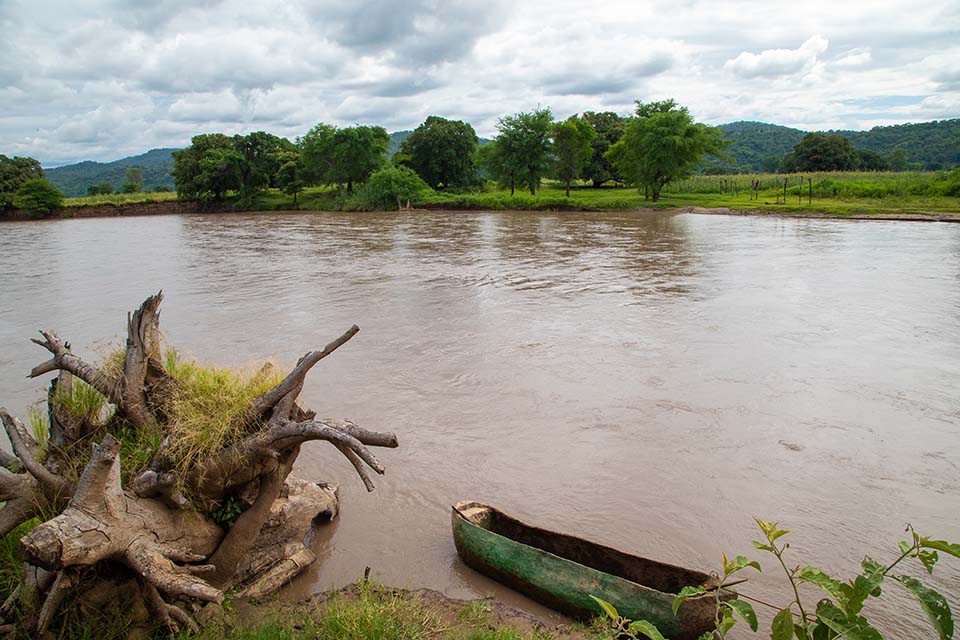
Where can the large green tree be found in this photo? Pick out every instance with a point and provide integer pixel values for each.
(442, 152)
(343, 156)
(571, 148)
(261, 153)
(207, 169)
(524, 145)
(661, 144)
(290, 174)
(825, 152)
(14, 172)
(609, 128)
(38, 196)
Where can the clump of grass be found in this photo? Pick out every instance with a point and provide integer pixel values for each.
(207, 404)
(39, 422)
(11, 567)
(82, 401)
(112, 362)
(376, 612)
(137, 447)
(475, 611)
(369, 611)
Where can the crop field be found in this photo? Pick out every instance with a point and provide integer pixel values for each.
(120, 198)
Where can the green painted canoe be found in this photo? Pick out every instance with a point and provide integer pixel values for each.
(562, 572)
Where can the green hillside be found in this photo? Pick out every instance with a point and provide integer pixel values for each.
(758, 146)
(73, 179)
(935, 145)
(396, 139)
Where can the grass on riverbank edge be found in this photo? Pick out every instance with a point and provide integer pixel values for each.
(369, 610)
(875, 194)
(363, 611)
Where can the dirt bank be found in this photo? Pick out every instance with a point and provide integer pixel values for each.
(167, 207)
(164, 207)
(919, 216)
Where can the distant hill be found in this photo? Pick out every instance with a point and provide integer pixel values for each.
(73, 179)
(758, 146)
(934, 144)
(396, 139)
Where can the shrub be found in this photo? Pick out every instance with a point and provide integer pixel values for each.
(389, 188)
(38, 196)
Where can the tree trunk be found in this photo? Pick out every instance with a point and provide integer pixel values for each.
(568, 188)
(147, 542)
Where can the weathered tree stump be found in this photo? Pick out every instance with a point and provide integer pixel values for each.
(155, 538)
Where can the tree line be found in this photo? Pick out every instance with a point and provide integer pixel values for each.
(660, 142)
(656, 144)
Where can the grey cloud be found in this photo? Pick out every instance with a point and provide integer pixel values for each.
(413, 31)
(400, 85)
(596, 80)
(587, 86)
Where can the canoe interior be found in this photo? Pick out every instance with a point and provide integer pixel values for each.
(649, 573)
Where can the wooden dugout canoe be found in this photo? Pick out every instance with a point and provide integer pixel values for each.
(562, 572)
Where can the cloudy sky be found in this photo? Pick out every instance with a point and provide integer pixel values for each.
(103, 79)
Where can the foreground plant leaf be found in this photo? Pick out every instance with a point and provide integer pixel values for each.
(934, 604)
(646, 628)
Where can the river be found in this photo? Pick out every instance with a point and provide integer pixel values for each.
(650, 381)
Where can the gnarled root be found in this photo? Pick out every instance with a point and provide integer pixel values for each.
(148, 541)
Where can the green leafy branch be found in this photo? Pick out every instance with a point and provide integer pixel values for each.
(836, 616)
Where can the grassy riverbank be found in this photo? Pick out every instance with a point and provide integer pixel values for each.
(368, 610)
(839, 194)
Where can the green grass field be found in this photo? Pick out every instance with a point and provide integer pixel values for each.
(836, 193)
(120, 198)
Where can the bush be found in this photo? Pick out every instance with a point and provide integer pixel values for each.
(950, 186)
(38, 196)
(389, 188)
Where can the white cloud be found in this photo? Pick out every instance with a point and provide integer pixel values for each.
(778, 62)
(101, 79)
(854, 58)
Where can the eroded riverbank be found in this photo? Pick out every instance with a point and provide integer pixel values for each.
(176, 207)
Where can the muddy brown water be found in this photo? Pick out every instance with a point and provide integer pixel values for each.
(649, 381)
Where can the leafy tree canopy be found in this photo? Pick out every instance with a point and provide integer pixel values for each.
(390, 187)
(609, 128)
(261, 153)
(572, 148)
(442, 152)
(661, 144)
(824, 152)
(494, 164)
(14, 173)
(290, 174)
(208, 168)
(524, 147)
(38, 196)
(343, 156)
(102, 189)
